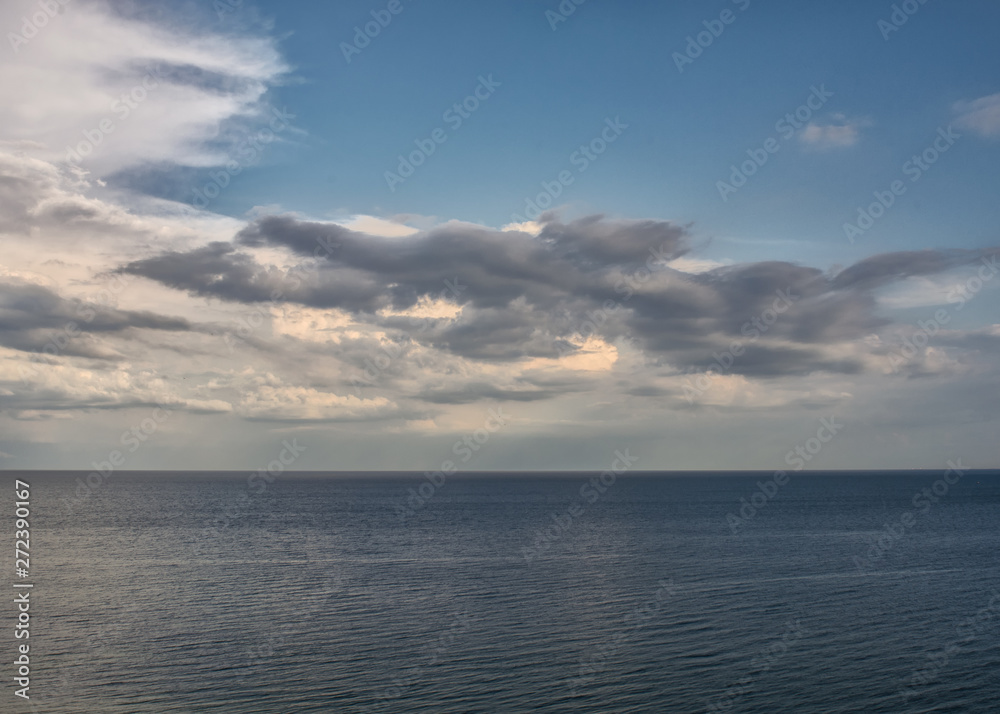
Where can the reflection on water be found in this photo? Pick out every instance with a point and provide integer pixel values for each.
(156, 596)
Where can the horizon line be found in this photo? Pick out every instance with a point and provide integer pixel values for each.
(510, 471)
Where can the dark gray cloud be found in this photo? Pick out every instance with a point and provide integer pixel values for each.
(882, 269)
(760, 360)
(477, 391)
(33, 318)
(648, 390)
(596, 243)
(531, 296)
(219, 270)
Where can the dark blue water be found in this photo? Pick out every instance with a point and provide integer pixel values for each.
(197, 593)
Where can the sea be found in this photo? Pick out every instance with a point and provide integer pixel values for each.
(508, 592)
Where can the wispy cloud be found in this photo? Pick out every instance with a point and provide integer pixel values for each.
(981, 116)
(840, 133)
(108, 92)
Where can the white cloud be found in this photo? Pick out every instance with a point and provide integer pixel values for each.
(529, 227)
(981, 116)
(378, 227)
(82, 234)
(839, 134)
(738, 391)
(126, 92)
(919, 291)
(696, 265)
(267, 397)
(64, 385)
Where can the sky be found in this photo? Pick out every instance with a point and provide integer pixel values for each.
(532, 235)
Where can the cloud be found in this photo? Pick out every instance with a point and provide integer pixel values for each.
(373, 225)
(981, 116)
(266, 397)
(36, 390)
(887, 268)
(529, 227)
(696, 265)
(839, 134)
(276, 320)
(109, 92)
(469, 393)
(519, 296)
(501, 267)
(299, 323)
(33, 318)
(986, 339)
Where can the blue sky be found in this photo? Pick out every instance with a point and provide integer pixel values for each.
(685, 129)
(173, 174)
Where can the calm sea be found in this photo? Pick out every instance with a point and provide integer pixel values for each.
(201, 592)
